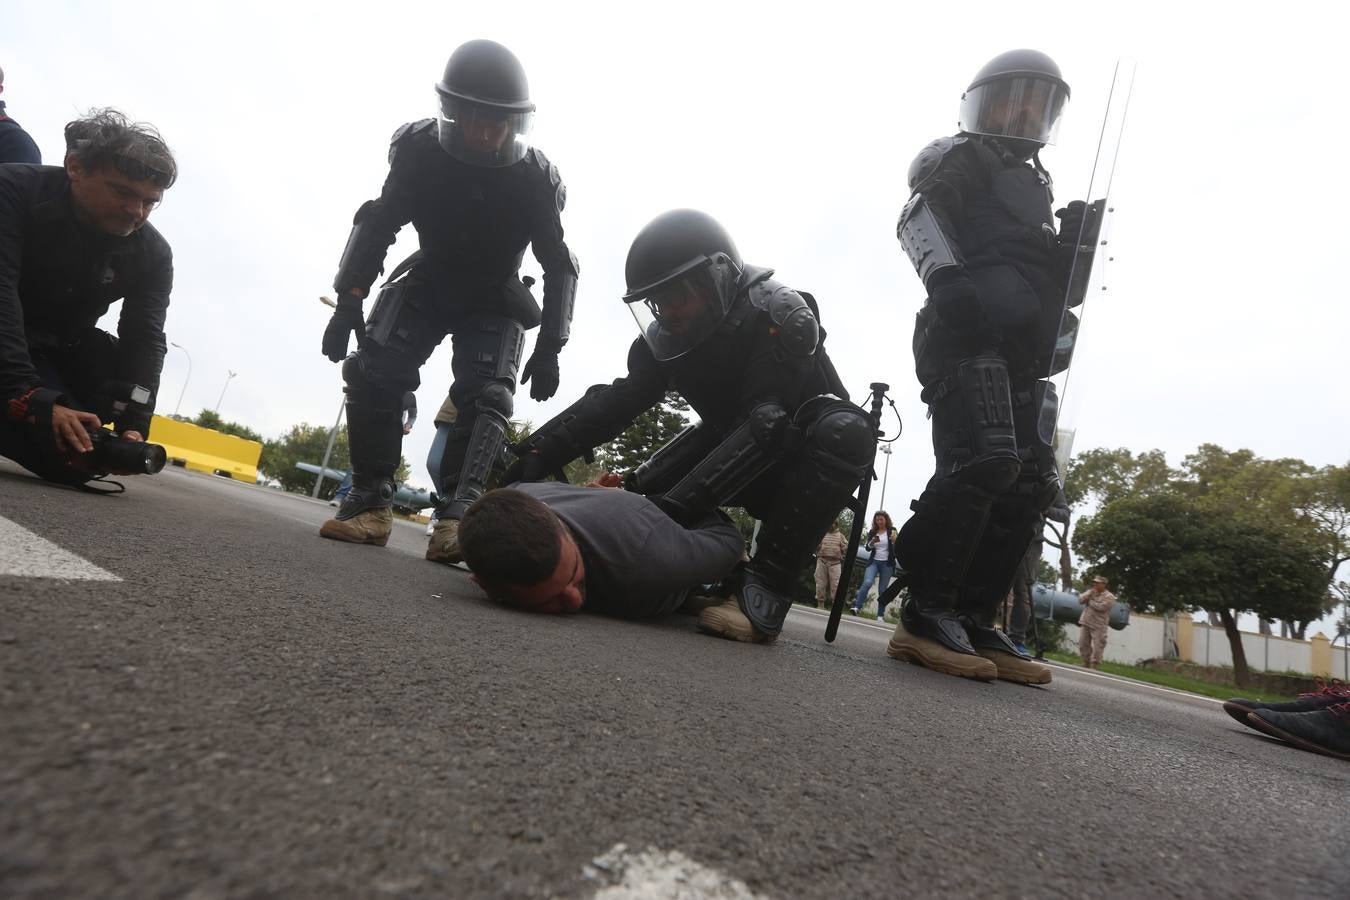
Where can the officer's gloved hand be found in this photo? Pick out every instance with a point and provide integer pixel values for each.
(768, 424)
(956, 301)
(1071, 221)
(347, 319)
(543, 368)
(529, 466)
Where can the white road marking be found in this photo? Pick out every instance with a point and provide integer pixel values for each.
(653, 874)
(25, 555)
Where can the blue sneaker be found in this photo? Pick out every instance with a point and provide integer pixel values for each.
(1021, 648)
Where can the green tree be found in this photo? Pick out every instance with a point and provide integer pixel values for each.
(306, 443)
(1097, 477)
(1282, 492)
(209, 418)
(649, 432)
(1171, 554)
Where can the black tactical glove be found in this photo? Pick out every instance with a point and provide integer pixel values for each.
(956, 301)
(527, 467)
(347, 319)
(1071, 221)
(543, 368)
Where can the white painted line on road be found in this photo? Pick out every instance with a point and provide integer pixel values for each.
(653, 874)
(25, 555)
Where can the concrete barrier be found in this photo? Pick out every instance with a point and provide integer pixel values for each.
(205, 450)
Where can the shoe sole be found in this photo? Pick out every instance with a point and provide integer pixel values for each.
(1017, 677)
(449, 559)
(337, 535)
(719, 630)
(1261, 725)
(987, 672)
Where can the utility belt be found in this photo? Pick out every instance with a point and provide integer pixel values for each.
(409, 301)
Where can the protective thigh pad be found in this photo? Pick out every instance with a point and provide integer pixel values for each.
(403, 321)
(673, 461)
(973, 432)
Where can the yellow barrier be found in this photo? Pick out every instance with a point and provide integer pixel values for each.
(205, 450)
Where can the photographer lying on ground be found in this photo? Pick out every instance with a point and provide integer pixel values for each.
(554, 548)
(73, 241)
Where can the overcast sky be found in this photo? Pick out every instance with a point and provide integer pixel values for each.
(1225, 317)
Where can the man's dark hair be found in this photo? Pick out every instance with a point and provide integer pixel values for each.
(509, 537)
(105, 137)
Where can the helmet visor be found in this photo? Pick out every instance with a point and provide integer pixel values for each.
(483, 135)
(1027, 107)
(678, 313)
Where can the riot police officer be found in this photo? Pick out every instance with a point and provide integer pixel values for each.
(477, 193)
(978, 229)
(777, 435)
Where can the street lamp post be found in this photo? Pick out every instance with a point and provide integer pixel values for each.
(885, 473)
(328, 451)
(185, 379)
(221, 399)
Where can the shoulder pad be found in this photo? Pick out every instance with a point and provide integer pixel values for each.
(535, 158)
(407, 132)
(930, 159)
(792, 317)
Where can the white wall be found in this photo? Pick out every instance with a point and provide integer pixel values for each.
(1141, 639)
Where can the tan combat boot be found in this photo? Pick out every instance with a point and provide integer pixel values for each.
(1012, 667)
(444, 544)
(933, 655)
(369, 527)
(726, 620)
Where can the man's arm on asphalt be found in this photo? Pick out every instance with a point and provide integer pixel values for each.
(702, 554)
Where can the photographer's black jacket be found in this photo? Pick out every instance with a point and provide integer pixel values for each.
(58, 277)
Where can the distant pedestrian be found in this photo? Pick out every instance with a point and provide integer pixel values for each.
(1097, 602)
(829, 562)
(16, 146)
(880, 545)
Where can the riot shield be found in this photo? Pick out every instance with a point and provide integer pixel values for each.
(1088, 272)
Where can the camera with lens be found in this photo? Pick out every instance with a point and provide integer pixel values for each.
(113, 453)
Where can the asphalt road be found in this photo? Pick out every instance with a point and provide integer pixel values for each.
(200, 698)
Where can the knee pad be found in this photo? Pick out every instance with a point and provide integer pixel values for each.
(496, 397)
(839, 429)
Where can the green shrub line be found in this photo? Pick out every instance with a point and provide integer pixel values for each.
(1169, 680)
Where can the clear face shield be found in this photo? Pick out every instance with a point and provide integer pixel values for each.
(679, 312)
(1026, 107)
(483, 135)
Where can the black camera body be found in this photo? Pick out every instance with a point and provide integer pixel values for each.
(113, 453)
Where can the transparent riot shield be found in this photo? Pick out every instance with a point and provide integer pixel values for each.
(1089, 271)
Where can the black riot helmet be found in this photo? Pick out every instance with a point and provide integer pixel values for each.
(485, 105)
(1018, 94)
(683, 272)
